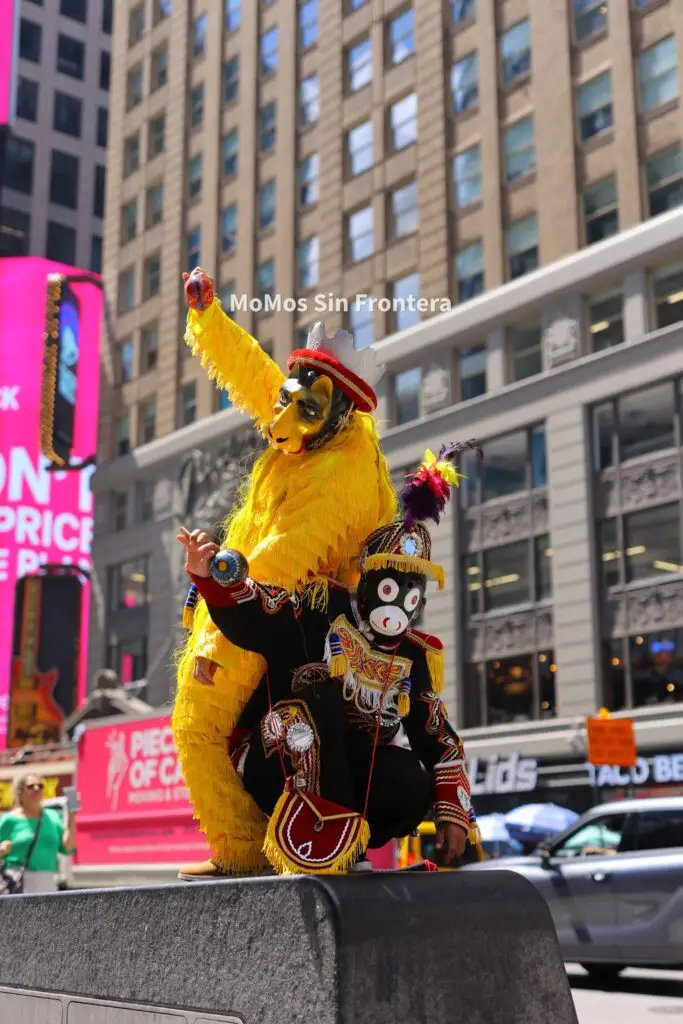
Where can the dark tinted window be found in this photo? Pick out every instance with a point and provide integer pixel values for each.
(102, 126)
(19, 156)
(656, 830)
(64, 179)
(70, 56)
(98, 201)
(67, 114)
(61, 243)
(107, 16)
(29, 40)
(600, 836)
(27, 99)
(105, 68)
(76, 9)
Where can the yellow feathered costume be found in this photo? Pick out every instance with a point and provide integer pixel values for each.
(297, 516)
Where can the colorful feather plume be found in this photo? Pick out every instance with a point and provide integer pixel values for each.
(429, 489)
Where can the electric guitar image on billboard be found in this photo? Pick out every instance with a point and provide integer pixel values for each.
(35, 717)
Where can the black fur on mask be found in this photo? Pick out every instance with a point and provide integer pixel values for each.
(340, 409)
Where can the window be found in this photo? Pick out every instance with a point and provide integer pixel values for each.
(463, 10)
(188, 403)
(223, 400)
(230, 153)
(225, 295)
(361, 234)
(197, 107)
(309, 100)
(668, 294)
(506, 576)
(199, 29)
(147, 417)
(231, 81)
(522, 246)
(154, 205)
(105, 70)
(600, 211)
(603, 834)
(123, 435)
(403, 122)
(404, 294)
(407, 386)
(606, 320)
(359, 148)
(126, 294)
(309, 180)
(149, 347)
(266, 205)
(27, 99)
(513, 463)
(594, 102)
(269, 51)
(156, 136)
(159, 71)
(30, 39)
(131, 153)
(120, 503)
(472, 371)
(465, 84)
(309, 263)
(194, 247)
(229, 229)
(96, 254)
(151, 276)
(161, 9)
(99, 191)
(515, 52)
(664, 176)
(657, 830)
(61, 243)
(359, 65)
(74, 9)
(525, 351)
(308, 24)
(646, 669)
(265, 280)
(125, 361)
(658, 71)
(102, 126)
(652, 538)
(646, 421)
(64, 179)
(233, 15)
(129, 221)
(403, 210)
(590, 17)
(108, 16)
(361, 324)
(518, 146)
(469, 270)
(194, 177)
(70, 56)
(66, 117)
(136, 24)
(20, 155)
(467, 176)
(268, 127)
(402, 36)
(129, 660)
(133, 88)
(145, 501)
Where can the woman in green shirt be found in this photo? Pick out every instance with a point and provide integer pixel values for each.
(18, 828)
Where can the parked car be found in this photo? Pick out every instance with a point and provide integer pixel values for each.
(614, 885)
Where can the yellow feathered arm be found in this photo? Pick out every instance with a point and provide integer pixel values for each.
(235, 361)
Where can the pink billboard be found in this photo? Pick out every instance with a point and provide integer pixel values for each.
(9, 11)
(46, 517)
(135, 808)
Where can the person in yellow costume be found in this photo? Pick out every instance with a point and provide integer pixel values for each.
(313, 496)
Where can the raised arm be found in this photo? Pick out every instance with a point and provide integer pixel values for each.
(235, 360)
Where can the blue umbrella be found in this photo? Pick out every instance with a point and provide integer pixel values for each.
(537, 821)
(492, 828)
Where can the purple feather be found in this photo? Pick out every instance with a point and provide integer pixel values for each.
(426, 492)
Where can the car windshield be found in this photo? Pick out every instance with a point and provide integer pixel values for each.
(601, 836)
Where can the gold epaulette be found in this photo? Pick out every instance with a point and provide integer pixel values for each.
(433, 649)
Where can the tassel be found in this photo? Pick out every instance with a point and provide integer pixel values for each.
(435, 669)
(337, 659)
(189, 606)
(403, 704)
(284, 865)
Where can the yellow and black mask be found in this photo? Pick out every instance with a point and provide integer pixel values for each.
(309, 411)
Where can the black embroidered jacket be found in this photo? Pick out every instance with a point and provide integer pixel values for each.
(290, 634)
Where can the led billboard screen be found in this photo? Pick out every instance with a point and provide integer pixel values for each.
(46, 516)
(9, 10)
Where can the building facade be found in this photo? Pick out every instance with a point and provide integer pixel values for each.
(563, 548)
(52, 189)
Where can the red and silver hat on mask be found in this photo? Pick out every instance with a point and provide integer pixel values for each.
(354, 372)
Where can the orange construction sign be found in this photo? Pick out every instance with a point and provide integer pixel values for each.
(611, 741)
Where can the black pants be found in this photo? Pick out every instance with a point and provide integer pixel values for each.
(337, 764)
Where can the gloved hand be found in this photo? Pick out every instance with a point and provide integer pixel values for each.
(198, 289)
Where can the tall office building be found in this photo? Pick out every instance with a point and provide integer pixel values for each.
(52, 188)
(521, 160)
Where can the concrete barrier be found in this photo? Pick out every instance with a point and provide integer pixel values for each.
(378, 949)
